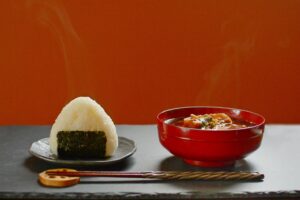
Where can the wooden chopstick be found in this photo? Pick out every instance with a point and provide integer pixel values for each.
(165, 175)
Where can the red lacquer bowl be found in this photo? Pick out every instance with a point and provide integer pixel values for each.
(210, 148)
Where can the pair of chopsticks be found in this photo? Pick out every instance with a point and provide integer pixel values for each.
(166, 175)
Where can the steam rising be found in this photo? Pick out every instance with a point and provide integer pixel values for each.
(226, 72)
(53, 16)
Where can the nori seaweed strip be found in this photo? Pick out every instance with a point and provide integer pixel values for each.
(81, 144)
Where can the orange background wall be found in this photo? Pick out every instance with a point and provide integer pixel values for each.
(138, 57)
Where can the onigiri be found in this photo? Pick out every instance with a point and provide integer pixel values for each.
(83, 130)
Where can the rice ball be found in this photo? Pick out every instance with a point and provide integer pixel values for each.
(82, 130)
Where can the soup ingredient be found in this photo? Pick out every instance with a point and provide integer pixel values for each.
(210, 121)
(83, 130)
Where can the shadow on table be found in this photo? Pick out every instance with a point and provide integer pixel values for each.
(36, 165)
(176, 164)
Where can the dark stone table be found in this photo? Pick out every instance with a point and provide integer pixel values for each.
(278, 158)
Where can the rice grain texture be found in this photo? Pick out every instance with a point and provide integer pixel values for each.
(84, 114)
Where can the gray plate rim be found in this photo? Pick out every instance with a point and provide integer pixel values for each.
(106, 161)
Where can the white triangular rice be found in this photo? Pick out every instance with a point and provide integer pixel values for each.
(84, 114)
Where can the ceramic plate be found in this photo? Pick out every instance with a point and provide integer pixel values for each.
(41, 149)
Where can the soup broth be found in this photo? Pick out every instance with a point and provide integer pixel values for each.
(214, 121)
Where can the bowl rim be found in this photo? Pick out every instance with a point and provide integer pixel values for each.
(211, 130)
